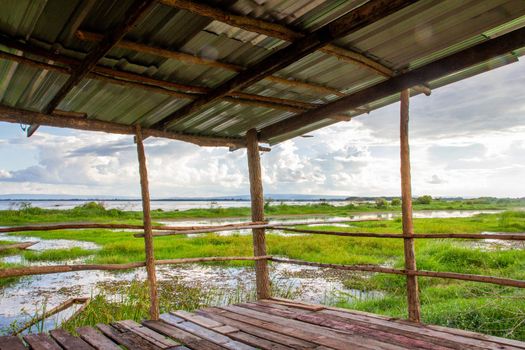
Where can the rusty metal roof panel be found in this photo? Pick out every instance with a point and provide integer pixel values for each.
(306, 15)
(451, 78)
(429, 26)
(410, 38)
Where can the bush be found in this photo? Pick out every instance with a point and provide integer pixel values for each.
(395, 202)
(381, 203)
(426, 199)
(267, 204)
(92, 206)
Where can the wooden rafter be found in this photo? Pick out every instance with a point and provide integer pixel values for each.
(131, 17)
(191, 59)
(134, 80)
(461, 60)
(66, 120)
(366, 14)
(285, 33)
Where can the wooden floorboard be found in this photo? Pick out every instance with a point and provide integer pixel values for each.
(11, 342)
(272, 324)
(96, 339)
(69, 342)
(41, 341)
(188, 339)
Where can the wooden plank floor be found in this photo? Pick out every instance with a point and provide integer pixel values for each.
(267, 324)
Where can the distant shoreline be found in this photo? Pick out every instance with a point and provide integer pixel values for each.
(174, 200)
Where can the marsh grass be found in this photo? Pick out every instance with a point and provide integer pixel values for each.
(130, 301)
(9, 280)
(474, 306)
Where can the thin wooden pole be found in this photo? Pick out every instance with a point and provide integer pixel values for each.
(414, 312)
(257, 201)
(148, 231)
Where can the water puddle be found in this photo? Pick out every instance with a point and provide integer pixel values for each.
(49, 243)
(494, 244)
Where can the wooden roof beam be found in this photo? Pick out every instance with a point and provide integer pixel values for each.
(285, 33)
(364, 15)
(131, 17)
(191, 59)
(133, 80)
(461, 60)
(71, 120)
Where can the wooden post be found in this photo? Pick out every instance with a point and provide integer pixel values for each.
(408, 227)
(257, 198)
(148, 233)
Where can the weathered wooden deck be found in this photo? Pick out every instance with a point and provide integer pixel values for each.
(267, 324)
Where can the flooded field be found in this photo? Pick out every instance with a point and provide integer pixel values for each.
(337, 221)
(31, 295)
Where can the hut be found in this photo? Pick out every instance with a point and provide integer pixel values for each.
(247, 74)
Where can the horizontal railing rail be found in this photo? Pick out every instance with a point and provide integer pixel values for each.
(374, 268)
(72, 226)
(42, 270)
(518, 236)
(286, 226)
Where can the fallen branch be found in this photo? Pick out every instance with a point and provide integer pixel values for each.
(22, 245)
(65, 305)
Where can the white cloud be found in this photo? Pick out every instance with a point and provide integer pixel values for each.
(466, 139)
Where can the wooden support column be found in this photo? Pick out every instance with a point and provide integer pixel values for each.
(257, 198)
(408, 227)
(148, 232)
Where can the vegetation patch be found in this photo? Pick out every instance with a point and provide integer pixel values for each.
(130, 301)
(56, 254)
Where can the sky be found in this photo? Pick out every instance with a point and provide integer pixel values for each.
(467, 139)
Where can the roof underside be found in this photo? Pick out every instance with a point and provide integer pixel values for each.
(418, 34)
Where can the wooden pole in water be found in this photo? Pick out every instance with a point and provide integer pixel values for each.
(257, 201)
(408, 227)
(148, 232)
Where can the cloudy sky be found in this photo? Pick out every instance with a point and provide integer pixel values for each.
(467, 139)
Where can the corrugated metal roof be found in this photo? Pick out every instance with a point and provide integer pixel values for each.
(419, 34)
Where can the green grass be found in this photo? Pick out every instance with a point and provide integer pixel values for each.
(7, 252)
(479, 307)
(56, 254)
(10, 280)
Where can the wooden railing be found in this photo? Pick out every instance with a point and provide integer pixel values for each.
(287, 227)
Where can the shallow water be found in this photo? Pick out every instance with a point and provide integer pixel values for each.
(155, 204)
(21, 300)
(24, 299)
(337, 221)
